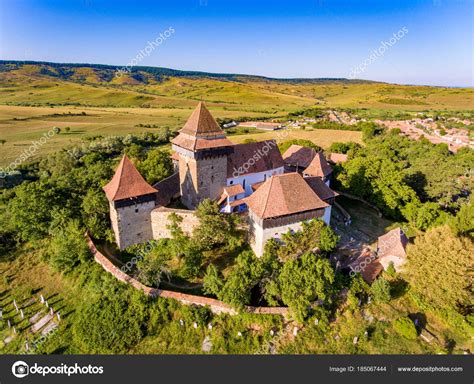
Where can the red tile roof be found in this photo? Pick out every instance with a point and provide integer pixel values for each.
(282, 195)
(298, 156)
(367, 265)
(236, 203)
(393, 243)
(257, 185)
(167, 189)
(201, 131)
(318, 166)
(320, 188)
(254, 157)
(127, 182)
(233, 190)
(337, 158)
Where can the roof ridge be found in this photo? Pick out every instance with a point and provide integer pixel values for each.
(268, 196)
(121, 166)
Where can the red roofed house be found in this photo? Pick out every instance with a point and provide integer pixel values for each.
(298, 158)
(280, 205)
(319, 167)
(131, 200)
(391, 249)
(232, 199)
(367, 264)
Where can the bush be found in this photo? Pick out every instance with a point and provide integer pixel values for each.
(381, 290)
(68, 248)
(405, 327)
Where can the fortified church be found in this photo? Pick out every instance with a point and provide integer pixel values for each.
(277, 193)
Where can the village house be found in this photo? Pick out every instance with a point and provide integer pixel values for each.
(239, 177)
(280, 205)
(391, 248)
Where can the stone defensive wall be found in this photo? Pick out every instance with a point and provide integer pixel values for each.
(216, 306)
(160, 221)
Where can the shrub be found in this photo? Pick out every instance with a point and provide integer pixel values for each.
(405, 327)
(381, 290)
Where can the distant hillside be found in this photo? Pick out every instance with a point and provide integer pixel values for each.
(94, 85)
(106, 73)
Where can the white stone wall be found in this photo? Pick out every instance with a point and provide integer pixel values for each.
(259, 236)
(160, 221)
(132, 224)
(327, 215)
(253, 178)
(397, 262)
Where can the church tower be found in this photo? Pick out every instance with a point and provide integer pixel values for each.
(203, 148)
(131, 200)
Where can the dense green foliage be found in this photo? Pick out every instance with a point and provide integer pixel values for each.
(345, 148)
(380, 289)
(438, 269)
(406, 179)
(215, 228)
(156, 166)
(315, 235)
(67, 248)
(301, 282)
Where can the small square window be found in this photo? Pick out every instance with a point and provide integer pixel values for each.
(136, 210)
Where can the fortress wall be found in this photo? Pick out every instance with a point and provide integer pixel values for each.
(216, 306)
(160, 221)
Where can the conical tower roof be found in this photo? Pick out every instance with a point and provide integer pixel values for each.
(318, 167)
(201, 123)
(127, 182)
(201, 132)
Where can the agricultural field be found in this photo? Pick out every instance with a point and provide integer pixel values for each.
(90, 101)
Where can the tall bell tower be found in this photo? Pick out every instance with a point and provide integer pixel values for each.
(203, 148)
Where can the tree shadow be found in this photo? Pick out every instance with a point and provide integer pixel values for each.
(417, 181)
(419, 319)
(59, 351)
(398, 288)
(450, 345)
(50, 297)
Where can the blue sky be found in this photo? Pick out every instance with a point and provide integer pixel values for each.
(318, 38)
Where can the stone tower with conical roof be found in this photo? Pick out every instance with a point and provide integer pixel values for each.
(203, 148)
(131, 200)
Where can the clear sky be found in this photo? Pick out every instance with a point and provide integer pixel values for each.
(293, 38)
